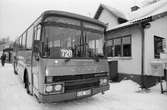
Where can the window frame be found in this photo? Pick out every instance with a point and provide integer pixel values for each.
(122, 50)
(130, 46)
(155, 55)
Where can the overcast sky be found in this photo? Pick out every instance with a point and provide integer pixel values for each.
(17, 15)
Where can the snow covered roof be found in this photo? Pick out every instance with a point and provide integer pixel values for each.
(152, 11)
(120, 26)
(112, 10)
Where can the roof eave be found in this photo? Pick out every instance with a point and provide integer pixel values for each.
(98, 12)
(158, 16)
(122, 27)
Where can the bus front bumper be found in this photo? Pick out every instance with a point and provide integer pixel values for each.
(52, 98)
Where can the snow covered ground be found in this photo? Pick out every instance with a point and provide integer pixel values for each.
(121, 96)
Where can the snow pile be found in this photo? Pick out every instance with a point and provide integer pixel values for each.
(131, 97)
(121, 96)
(127, 86)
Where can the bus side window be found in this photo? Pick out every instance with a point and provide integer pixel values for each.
(37, 45)
(29, 38)
(38, 32)
(24, 41)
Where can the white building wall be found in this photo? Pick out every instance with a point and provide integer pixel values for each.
(158, 28)
(108, 18)
(129, 65)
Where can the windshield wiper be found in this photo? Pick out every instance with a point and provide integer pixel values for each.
(67, 60)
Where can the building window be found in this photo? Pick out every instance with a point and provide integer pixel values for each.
(126, 43)
(119, 47)
(121, 20)
(158, 46)
(109, 48)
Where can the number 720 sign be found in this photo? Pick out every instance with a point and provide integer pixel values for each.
(67, 53)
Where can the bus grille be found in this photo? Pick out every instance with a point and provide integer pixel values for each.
(81, 84)
(78, 77)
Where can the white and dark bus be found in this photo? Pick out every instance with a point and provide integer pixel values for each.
(60, 57)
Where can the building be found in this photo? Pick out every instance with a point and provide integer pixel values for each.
(110, 16)
(137, 44)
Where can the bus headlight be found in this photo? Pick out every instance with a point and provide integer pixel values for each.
(103, 81)
(59, 87)
(49, 88)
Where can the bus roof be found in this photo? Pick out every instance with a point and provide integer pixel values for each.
(72, 15)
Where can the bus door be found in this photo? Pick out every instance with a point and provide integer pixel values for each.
(35, 61)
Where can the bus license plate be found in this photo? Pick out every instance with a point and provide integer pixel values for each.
(83, 93)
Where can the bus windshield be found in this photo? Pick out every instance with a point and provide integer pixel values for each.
(65, 42)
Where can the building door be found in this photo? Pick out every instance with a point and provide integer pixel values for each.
(113, 70)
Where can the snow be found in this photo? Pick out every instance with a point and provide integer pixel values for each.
(125, 95)
(142, 13)
(115, 11)
(150, 10)
(120, 25)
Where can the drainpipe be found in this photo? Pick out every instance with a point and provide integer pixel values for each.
(141, 25)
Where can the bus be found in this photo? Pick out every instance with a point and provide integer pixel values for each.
(60, 57)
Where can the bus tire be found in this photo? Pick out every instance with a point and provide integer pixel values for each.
(26, 82)
(15, 72)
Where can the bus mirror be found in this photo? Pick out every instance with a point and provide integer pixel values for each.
(36, 45)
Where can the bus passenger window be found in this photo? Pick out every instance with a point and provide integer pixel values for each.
(38, 32)
(29, 38)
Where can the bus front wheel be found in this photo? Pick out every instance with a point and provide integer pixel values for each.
(26, 82)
